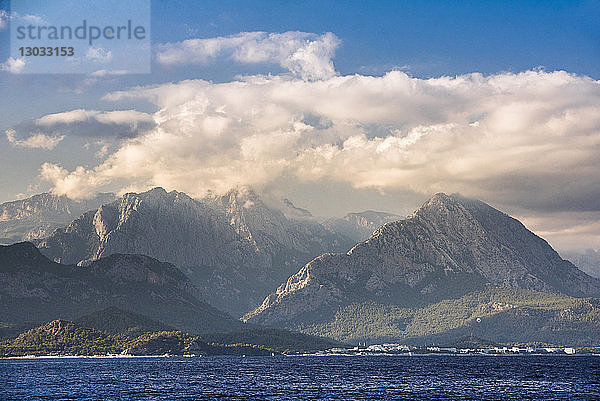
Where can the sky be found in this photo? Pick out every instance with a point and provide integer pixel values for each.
(337, 106)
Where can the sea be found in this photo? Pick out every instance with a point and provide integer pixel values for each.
(433, 377)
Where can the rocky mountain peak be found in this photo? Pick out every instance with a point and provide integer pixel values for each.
(223, 242)
(440, 205)
(292, 211)
(39, 215)
(449, 246)
(243, 193)
(58, 327)
(240, 199)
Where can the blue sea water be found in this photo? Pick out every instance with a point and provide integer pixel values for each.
(304, 378)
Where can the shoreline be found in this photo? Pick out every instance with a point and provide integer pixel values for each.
(35, 357)
(116, 356)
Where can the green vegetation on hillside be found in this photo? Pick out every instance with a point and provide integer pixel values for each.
(180, 343)
(63, 338)
(115, 331)
(117, 321)
(499, 314)
(282, 341)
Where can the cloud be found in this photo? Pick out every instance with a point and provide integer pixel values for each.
(306, 55)
(38, 140)
(98, 55)
(70, 182)
(14, 65)
(31, 18)
(107, 73)
(4, 17)
(529, 139)
(117, 124)
(528, 143)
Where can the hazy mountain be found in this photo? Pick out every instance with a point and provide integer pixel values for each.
(450, 247)
(359, 226)
(292, 211)
(39, 215)
(588, 261)
(233, 247)
(35, 289)
(287, 242)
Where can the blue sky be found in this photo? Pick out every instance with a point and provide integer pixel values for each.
(339, 106)
(432, 38)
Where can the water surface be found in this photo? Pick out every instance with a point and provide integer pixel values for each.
(304, 378)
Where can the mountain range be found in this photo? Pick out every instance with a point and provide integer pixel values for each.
(359, 226)
(35, 289)
(39, 215)
(233, 247)
(450, 247)
(365, 276)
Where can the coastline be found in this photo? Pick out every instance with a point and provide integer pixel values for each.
(116, 356)
(332, 355)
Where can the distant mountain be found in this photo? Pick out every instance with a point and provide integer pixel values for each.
(588, 261)
(448, 248)
(292, 211)
(37, 216)
(35, 289)
(233, 247)
(360, 226)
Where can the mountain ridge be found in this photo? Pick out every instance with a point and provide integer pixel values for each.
(232, 246)
(38, 215)
(449, 247)
(35, 289)
(360, 225)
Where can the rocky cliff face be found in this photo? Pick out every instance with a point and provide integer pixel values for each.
(287, 242)
(35, 289)
(37, 216)
(359, 226)
(233, 247)
(450, 246)
(170, 227)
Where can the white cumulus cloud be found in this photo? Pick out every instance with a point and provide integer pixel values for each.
(14, 65)
(88, 123)
(518, 138)
(527, 142)
(39, 140)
